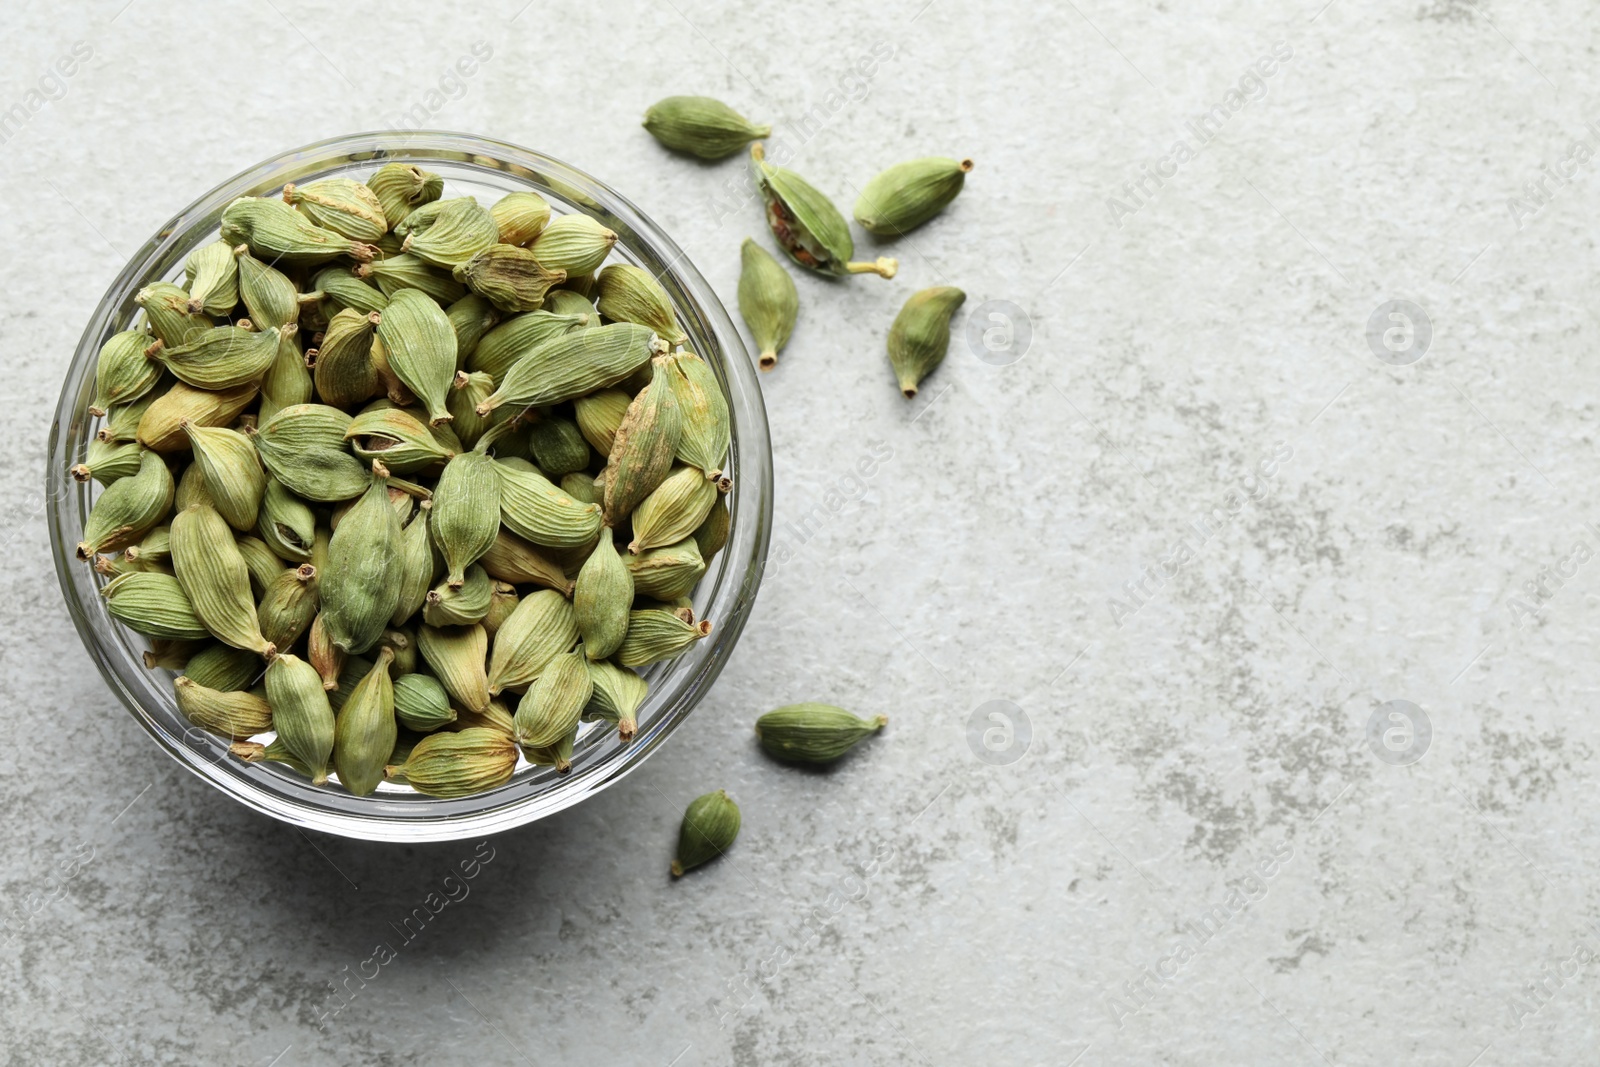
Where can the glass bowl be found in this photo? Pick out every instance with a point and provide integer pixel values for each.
(486, 169)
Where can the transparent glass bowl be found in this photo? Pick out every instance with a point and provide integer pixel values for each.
(486, 169)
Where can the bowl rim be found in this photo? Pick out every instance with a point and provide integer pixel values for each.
(285, 796)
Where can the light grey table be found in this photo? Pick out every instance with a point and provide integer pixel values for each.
(1178, 843)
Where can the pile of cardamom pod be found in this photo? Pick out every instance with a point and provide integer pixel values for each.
(415, 483)
(812, 232)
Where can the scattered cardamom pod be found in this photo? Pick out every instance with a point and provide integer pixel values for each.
(813, 733)
(807, 225)
(710, 826)
(701, 126)
(909, 194)
(768, 301)
(920, 336)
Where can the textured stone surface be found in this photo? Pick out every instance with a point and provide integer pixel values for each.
(918, 904)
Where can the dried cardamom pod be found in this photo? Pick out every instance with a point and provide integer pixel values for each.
(209, 566)
(268, 294)
(618, 694)
(514, 338)
(707, 426)
(502, 602)
(277, 752)
(406, 271)
(304, 448)
(655, 635)
(361, 585)
(807, 225)
(153, 604)
(222, 667)
(920, 335)
(456, 655)
(668, 572)
(123, 373)
(672, 512)
(494, 716)
(599, 415)
(287, 380)
(576, 244)
(260, 561)
(166, 307)
(421, 704)
(542, 627)
(364, 732)
(466, 394)
(235, 715)
(122, 421)
(909, 194)
(285, 523)
(644, 446)
(813, 733)
(301, 713)
(568, 301)
(463, 605)
(415, 566)
(601, 598)
(342, 205)
(466, 512)
(326, 659)
(107, 461)
(402, 441)
(456, 232)
(710, 826)
(520, 216)
(289, 605)
(558, 446)
(701, 126)
(531, 506)
(558, 755)
(511, 559)
(275, 231)
(471, 318)
(128, 509)
(403, 643)
(154, 547)
(352, 670)
(580, 487)
(343, 289)
(402, 188)
(573, 364)
(161, 425)
(509, 277)
(342, 365)
(625, 293)
(234, 479)
(768, 301)
(459, 764)
(421, 348)
(223, 357)
(712, 534)
(553, 703)
(212, 278)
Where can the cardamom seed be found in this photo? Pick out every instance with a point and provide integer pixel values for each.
(301, 713)
(909, 194)
(701, 126)
(768, 301)
(807, 225)
(920, 336)
(710, 826)
(813, 733)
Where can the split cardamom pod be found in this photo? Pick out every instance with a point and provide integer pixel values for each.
(807, 225)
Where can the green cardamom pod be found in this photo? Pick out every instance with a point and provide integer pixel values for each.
(360, 587)
(599, 416)
(421, 704)
(909, 194)
(520, 216)
(554, 702)
(123, 373)
(153, 604)
(707, 426)
(166, 307)
(327, 660)
(668, 572)
(502, 602)
(289, 605)
(415, 566)
(107, 461)
(505, 344)
(161, 425)
(807, 225)
(303, 446)
(122, 421)
(275, 231)
(268, 294)
(813, 733)
(712, 534)
(285, 523)
(277, 752)
(154, 547)
(511, 559)
(287, 380)
(494, 716)
(558, 446)
(466, 394)
(471, 317)
(466, 512)
(342, 205)
(567, 301)
(343, 289)
(351, 670)
(456, 232)
(234, 715)
(531, 506)
(920, 335)
(644, 446)
(224, 668)
(673, 512)
(542, 627)
(710, 826)
(209, 566)
(402, 188)
(262, 564)
(165, 654)
(403, 643)
(459, 764)
(223, 357)
(580, 487)
(301, 713)
(406, 271)
(342, 364)
(626, 293)
(401, 440)
(574, 364)
(421, 347)
(128, 509)
(601, 597)
(618, 694)
(212, 278)
(701, 126)
(509, 277)
(655, 635)
(463, 605)
(768, 301)
(191, 488)
(558, 755)
(456, 655)
(234, 479)
(364, 731)
(576, 244)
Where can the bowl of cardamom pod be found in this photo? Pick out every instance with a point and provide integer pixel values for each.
(410, 487)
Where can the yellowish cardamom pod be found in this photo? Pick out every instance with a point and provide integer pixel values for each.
(576, 244)
(600, 415)
(301, 713)
(166, 306)
(768, 301)
(161, 425)
(218, 666)
(668, 572)
(909, 194)
(503, 601)
(626, 293)
(275, 231)
(920, 336)
(701, 125)
(553, 703)
(402, 188)
(326, 659)
(123, 373)
(107, 461)
(260, 561)
(641, 453)
(471, 318)
(342, 205)
(454, 233)
(542, 627)
(209, 566)
(212, 278)
(511, 559)
(618, 693)
(234, 715)
(520, 216)
(456, 655)
(459, 764)
(231, 470)
(712, 534)
(287, 380)
(707, 426)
